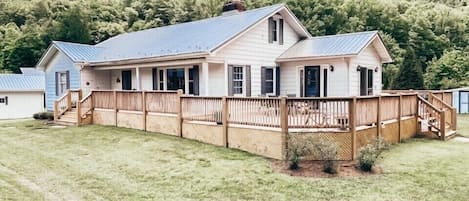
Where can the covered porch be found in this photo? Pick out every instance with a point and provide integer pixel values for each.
(193, 76)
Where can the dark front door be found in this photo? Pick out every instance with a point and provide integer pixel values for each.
(363, 82)
(127, 80)
(312, 82)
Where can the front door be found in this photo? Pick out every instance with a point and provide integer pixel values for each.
(127, 80)
(312, 81)
(363, 82)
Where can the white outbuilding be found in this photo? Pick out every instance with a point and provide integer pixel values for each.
(21, 95)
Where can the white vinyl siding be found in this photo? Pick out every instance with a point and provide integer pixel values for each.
(370, 59)
(253, 48)
(21, 104)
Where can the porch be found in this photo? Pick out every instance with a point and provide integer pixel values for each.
(263, 125)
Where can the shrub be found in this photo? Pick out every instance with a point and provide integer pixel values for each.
(370, 154)
(297, 148)
(327, 152)
(44, 116)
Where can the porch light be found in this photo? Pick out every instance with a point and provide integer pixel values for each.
(118, 80)
(359, 68)
(376, 69)
(331, 67)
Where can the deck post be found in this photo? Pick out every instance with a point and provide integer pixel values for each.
(115, 107)
(454, 119)
(399, 120)
(69, 100)
(179, 113)
(92, 107)
(443, 125)
(144, 110)
(78, 113)
(378, 118)
(353, 129)
(284, 125)
(80, 94)
(225, 121)
(56, 110)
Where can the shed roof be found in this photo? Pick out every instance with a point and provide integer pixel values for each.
(19, 82)
(31, 71)
(341, 45)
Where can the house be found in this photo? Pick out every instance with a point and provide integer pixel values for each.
(21, 95)
(259, 52)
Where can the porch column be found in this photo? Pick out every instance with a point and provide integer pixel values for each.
(225, 70)
(205, 73)
(137, 72)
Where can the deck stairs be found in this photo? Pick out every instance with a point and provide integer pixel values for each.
(437, 119)
(68, 119)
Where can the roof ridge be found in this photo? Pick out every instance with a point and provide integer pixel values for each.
(78, 44)
(345, 34)
(196, 21)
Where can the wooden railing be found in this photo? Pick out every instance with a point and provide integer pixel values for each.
(162, 102)
(409, 104)
(62, 105)
(254, 111)
(75, 97)
(104, 99)
(389, 107)
(84, 108)
(129, 100)
(318, 112)
(450, 112)
(434, 117)
(367, 111)
(209, 109)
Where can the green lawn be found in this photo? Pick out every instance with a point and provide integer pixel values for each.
(105, 163)
(463, 125)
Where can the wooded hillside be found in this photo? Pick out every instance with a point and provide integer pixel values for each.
(428, 39)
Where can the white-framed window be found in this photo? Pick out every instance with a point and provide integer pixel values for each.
(62, 83)
(161, 79)
(238, 79)
(269, 81)
(276, 24)
(274, 30)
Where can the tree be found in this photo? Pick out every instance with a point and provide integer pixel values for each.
(410, 73)
(72, 26)
(25, 52)
(450, 71)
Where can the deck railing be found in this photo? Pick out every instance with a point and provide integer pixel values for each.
(66, 102)
(434, 117)
(367, 111)
(450, 112)
(254, 111)
(162, 102)
(104, 99)
(318, 112)
(209, 109)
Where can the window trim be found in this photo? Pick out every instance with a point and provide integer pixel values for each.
(242, 80)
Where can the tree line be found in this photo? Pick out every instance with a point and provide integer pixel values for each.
(428, 39)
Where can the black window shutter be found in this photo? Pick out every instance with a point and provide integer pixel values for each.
(56, 83)
(271, 20)
(230, 80)
(68, 79)
(248, 81)
(154, 78)
(196, 80)
(280, 33)
(263, 69)
(277, 81)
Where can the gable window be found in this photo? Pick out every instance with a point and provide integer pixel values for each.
(62, 82)
(275, 29)
(238, 79)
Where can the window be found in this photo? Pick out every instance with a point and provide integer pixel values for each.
(269, 78)
(274, 30)
(2, 100)
(62, 82)
(175, 79)
(276, 25)
(194, 80)
(238, 78)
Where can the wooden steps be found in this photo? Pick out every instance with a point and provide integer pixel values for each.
(68, 119)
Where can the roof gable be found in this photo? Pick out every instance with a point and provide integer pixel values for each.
(343, 45)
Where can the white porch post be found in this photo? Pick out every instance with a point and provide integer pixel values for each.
(137, 72)
(205, 73)
(225, 67)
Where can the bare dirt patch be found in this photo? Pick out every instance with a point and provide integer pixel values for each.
(313, 169)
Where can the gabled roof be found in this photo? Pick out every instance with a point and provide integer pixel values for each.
(19, 82)
(342, 45)
(198, 37)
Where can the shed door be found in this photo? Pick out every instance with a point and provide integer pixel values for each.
(463, 102)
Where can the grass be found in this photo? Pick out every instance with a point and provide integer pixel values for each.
(463, 125)
(106, 163)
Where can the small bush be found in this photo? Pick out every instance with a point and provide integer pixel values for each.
(327, 152)
(297, 148)
(370, 154)
(44, 116)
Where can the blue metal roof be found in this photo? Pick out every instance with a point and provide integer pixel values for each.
(328, 46)
(203, 36)
(19, 82)
(79, 52)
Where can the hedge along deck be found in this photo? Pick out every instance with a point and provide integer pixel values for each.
(262, 126)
